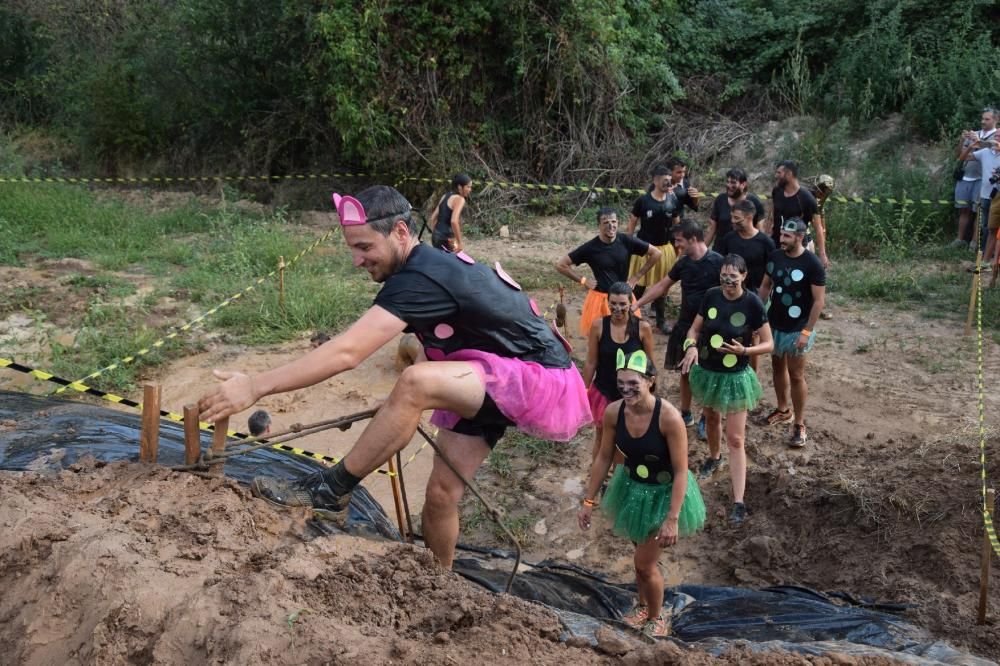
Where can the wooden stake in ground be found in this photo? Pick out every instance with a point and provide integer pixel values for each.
(281, 284)
(192, 437)
(394, 482)
(219, 443)
(984, 565)
(149, 435)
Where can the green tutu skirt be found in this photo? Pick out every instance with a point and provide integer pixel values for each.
(725, 392)
(639, 509)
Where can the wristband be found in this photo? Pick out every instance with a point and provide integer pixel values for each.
(688, 343)
(583, 281)
(806, 332)
(588, 502)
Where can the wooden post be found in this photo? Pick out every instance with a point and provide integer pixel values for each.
(984, 564)
(192, 437)
(219, 443)
(394, 481)
(281, 284)
(149, 434)
(402, 492)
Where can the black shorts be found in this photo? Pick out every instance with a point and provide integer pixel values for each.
(675, 345)
(488, 423)
(442, 242)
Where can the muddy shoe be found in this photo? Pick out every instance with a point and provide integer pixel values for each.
(658, 627)
(709, 467)
(738, 515)
(798, 439)
(309, 491)
(636, 617)
(688, 419)
(779, 416)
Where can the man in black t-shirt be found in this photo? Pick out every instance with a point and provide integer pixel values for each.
(698, 271)
(656, 213)
(607, 254)
(747, 241)
(494, 362)
(720, 219)
(790, 200)
(795, 283)
(687, 195)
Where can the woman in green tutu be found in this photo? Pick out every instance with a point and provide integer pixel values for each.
(652, 497)
(717, 356)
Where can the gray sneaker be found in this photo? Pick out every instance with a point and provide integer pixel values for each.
(798, 439)
(709, 467)
(739, 513)
(958, 242)
(310, 491)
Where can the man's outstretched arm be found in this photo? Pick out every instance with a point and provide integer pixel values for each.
(239, 391)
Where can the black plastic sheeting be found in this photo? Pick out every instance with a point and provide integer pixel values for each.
(49, 435)
(45, 434)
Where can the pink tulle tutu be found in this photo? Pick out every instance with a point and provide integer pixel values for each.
(598, 403)
(548, 403)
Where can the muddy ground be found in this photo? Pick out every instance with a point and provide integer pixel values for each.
(882, 503)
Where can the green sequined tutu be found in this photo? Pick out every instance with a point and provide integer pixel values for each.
(639, 509)
(725, 392)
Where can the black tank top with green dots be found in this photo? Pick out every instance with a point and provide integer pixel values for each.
(647, 458)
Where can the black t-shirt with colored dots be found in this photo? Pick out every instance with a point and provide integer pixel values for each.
(792, 281)
(609, 261)
(723, 321)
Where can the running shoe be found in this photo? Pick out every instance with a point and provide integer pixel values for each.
(798, 439)
(688, 419)
(780, 416)
(958, 242)
(658, 627)
(702, 434)
(664, 328)
(739, 513)
(310, 491)
(709, 467)
(636, 617)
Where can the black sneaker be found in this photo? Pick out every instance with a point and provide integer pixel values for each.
(709, 467)
(664, 328)
(309, 491)
(798, 439)
(739, 513)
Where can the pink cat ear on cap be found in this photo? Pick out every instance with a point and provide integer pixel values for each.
(350, 210)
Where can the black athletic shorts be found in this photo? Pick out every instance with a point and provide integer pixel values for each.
(488, 423)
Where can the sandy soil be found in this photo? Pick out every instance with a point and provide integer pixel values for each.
(882, 503)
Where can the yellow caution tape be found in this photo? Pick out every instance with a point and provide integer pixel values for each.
(987, 517)
(187, 327)
(181, 179)
(554, 187)
(117, 399)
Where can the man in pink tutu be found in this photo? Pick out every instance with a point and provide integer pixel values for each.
(494, 362)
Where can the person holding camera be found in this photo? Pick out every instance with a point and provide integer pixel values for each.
(986, 152)
(969, 175)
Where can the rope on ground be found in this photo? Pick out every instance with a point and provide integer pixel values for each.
(42, 375)
(187, 327)
(987, 510)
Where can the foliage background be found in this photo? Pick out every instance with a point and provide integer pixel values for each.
(562, 90)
